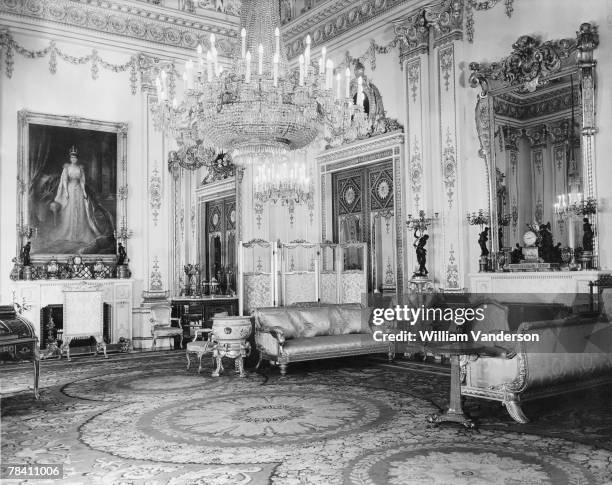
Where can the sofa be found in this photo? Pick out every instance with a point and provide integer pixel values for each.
(573, 353)
(304, 332)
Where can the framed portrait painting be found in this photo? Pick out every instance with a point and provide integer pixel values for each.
(72, 186)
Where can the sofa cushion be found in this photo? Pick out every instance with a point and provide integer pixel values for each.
(315, 321)
(280, 317)
(355, 318)
(333, 344)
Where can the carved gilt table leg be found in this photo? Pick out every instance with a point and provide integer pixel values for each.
(219, 369)
(239, 364)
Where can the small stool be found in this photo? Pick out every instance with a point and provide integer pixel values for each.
(200, 347)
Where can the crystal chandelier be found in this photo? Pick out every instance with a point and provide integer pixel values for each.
(259, 110)
(286, 180)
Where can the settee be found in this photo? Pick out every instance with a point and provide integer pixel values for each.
(560, 355)
(300, 333)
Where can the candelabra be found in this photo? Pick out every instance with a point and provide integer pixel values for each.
(27, 232)
(421, 223)
(122, 234)
(480, 218)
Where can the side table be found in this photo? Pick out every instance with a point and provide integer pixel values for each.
(455, 413)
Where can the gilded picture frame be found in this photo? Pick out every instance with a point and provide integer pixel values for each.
(71, 187)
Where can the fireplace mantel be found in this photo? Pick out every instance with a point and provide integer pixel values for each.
(116, 292)
(533, 282)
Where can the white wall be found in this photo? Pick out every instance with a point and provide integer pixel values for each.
(72, 91)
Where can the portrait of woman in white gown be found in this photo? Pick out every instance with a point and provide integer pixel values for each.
(72, 195)
(72, 208)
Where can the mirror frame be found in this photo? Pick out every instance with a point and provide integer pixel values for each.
(531, 61)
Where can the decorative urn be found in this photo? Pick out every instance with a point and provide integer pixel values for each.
(231, 333)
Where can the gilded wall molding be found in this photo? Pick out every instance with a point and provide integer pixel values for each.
(449, 168)
(416, 173)
(412, 33)
(142, 67)
(131, 19)
(155, 281)
(452, 270)
(155, 195)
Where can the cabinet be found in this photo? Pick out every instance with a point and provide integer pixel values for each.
(200, 311)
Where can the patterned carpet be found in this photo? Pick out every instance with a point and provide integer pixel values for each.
(144, 419)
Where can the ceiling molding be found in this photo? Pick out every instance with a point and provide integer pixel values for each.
(341, 21)
(127, 23)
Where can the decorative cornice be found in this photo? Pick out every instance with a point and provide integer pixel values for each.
(333, 19)
(529, 109)
(360, 147)
(130, 19)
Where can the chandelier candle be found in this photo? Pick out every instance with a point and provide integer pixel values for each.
(209, 66)
(200, 60)
(243, 45)
(348, 83)
(302, 69)
(276, 40)
(329, 74)
(247, 76)
(307, 54)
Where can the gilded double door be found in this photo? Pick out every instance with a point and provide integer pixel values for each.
(364, 211)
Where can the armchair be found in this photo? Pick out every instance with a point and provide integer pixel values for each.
(161, 324)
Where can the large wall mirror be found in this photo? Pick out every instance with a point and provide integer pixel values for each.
(535, 117)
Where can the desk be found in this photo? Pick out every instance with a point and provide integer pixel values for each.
(202, 309)
(18, 341)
